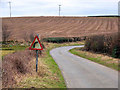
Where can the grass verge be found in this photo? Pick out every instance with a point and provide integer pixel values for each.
(6, 49)
(98, 58)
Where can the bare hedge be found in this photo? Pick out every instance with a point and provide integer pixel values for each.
(104, 44)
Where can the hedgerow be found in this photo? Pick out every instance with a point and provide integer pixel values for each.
(63, 39)
(104, 44)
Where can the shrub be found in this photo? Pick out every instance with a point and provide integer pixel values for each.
(116, 52)
(94, 43)
(104, 44)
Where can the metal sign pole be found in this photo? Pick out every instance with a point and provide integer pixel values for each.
(36, 60)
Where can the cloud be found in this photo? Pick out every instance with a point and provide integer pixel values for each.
(50, 7)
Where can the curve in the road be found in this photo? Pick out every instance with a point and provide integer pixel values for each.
(82, 73)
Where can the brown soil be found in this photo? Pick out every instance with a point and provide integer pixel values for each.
(22, 27)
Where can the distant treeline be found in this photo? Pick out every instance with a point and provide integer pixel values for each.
(63, 39)
(109, 44)
(105, 16)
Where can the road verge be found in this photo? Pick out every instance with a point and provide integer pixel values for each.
(98, 58)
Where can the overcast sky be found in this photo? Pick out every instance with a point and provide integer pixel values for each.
(50, 7)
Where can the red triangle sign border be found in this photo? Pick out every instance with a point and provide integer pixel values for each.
(33, 43)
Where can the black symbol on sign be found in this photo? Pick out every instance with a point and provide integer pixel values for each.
(35, 44)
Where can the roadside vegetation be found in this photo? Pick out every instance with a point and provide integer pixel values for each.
(23, 75)
(63, 39)
(49, 74)
(103, 49)
(108, 44)
(10, 49)
(97, 57)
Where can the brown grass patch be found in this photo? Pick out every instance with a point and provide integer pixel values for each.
(101, 56)
(15, 66)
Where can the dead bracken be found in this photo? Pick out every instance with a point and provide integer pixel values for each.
(16, 65)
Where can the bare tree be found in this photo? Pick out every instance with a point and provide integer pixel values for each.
(25, 36)
(32, 37)
(5, 33)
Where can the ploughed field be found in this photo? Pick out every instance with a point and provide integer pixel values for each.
(23, 27)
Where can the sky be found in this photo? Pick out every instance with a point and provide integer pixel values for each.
(51, 7)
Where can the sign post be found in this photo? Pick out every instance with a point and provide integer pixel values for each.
(36, 45)
(36, 60)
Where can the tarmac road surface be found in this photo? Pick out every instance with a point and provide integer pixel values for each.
(82, 73)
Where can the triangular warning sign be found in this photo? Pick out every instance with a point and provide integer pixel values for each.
(36, 45)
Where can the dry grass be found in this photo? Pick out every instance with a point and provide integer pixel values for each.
(99, 58)
(5, 52)
(34, 79)
(16, 65)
